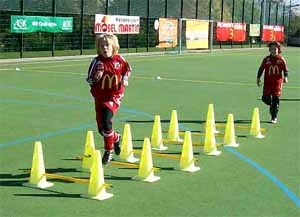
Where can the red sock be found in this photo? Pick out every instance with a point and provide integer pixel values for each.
(109, 138)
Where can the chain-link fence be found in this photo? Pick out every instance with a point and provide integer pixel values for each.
(81, 40)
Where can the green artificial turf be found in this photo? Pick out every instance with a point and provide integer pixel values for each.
(50, 102)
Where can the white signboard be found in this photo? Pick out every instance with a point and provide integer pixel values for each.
(117, 24)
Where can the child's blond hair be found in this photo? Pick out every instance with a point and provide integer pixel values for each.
(111, 40)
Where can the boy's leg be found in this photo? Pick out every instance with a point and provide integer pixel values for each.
(111, 138)
(266, 99)
(274, 108)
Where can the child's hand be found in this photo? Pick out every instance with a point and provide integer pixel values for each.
(125, 80)
(285, 80)
(258, 81)
(98, 75)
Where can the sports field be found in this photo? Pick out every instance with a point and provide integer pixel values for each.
(49, 101)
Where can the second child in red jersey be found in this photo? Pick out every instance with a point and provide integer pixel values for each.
(275, 72)
(108, 76)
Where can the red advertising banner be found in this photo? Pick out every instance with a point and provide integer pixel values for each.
(273, 33)
(239, 31)
(231, 31)
(279, 33)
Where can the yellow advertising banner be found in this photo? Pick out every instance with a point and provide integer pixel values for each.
(196, 34)
(167, 33)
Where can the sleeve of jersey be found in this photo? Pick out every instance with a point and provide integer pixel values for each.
(261, 68)
(91, 70)
(284, 67)
(126, 72)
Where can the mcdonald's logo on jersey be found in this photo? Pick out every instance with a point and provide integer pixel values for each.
(273, 70)
(111, 79)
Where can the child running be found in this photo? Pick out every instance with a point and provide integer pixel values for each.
(107, 76)
(275, 72)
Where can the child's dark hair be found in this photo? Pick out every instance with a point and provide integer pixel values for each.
(276, 44)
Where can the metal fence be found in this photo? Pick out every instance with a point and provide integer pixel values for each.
(81, 40)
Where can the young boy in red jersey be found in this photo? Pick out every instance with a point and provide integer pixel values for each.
(275, 72)
(108, 75)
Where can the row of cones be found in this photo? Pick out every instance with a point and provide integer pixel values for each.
(92, 158)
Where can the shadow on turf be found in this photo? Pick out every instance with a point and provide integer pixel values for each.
(196, 122)
(166, 121)
(52, 194)
(287, 100)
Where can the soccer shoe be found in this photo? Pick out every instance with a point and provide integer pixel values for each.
(107, 157)
(274, 120)
(117, 147)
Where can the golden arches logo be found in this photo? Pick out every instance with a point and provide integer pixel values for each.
(110, 81)
(274, 70)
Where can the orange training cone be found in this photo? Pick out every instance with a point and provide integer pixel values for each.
(38, 173)
(210, 147)
(97, 188)
(127, 147)
(229, 137)
(89, 148)
(156, 137)
(255, 125)
(145, 172)
(187, 157)
(173, 133)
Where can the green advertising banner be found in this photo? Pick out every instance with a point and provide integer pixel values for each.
(24, 24)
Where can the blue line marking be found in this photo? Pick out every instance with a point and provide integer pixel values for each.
(290, 194)
(46, 135)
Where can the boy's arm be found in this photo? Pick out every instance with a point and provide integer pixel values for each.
(285, 71)
(90, 74)
(126, 72)
(260, 72)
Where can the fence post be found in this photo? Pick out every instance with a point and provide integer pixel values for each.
(197, 6)
(22, 36)
(252, 19)
(53, 34)
(269, 18)
(222, 10)
(128, 13)
(232, 17)
(243, 17)
(81, 27)
(289, 23)
(148, 23)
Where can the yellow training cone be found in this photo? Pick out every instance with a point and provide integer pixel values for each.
(156, 137)
(127, 147)
(255, 125)
(187, 156)
(210, 147)
(229, 137)
(173, 133)
(97, 187)
(210, 117)
(89, 148)
(145, 172)
(38, 173)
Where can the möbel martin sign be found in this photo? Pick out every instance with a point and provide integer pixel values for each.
(117, 24)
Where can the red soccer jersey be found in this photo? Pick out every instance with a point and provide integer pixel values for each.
(110, 83)
(273, 68)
